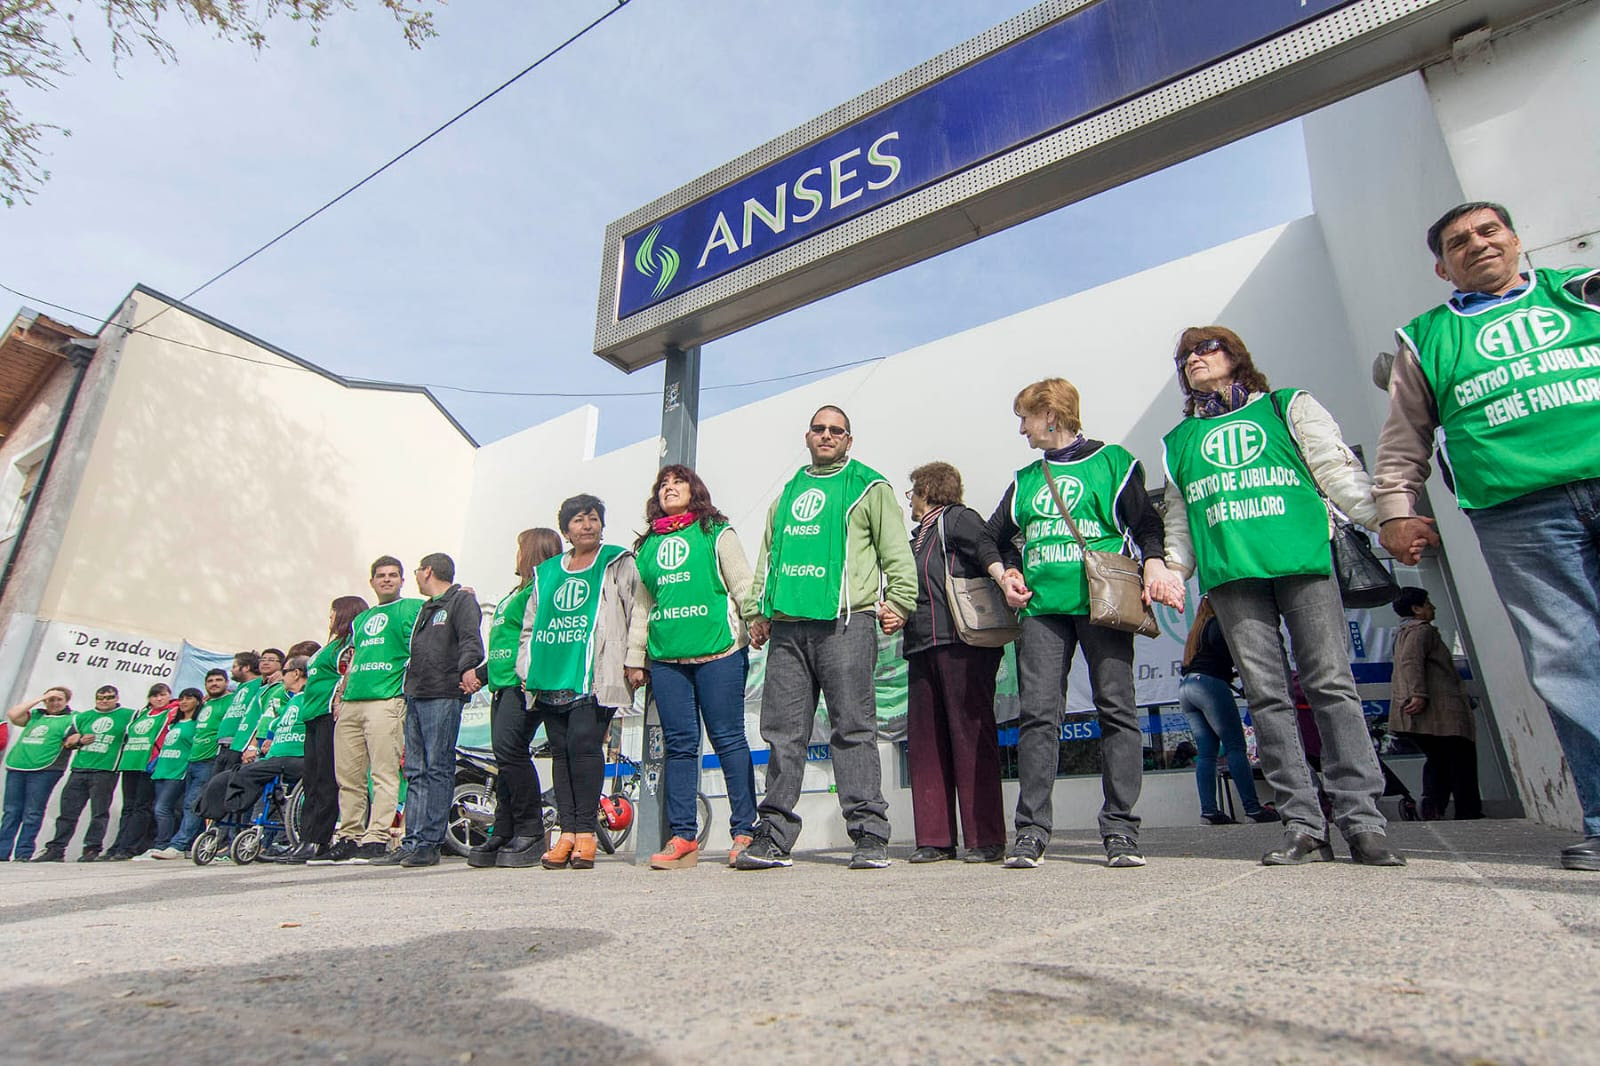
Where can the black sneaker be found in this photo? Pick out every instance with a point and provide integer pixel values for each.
(392, 858)
(421, 855)
(762, 854)
(369, 853)
(51, 853)
(1122, 852)
(1027, 852)
(341, 851)
(872, 853)
(987, 853)
(90, 855)
(929, 853)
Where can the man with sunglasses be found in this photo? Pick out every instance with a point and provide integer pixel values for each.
(1509, 367)
(93, 778)
(834, 540)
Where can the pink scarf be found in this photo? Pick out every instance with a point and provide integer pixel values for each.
(672, 523)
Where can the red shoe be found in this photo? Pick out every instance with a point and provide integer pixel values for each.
(679, 854)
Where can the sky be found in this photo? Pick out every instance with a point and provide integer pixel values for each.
(475, 262)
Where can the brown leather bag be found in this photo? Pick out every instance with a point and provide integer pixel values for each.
(1116, 581)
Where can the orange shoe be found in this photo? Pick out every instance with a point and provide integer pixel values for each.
(583, 852)
(679, 854)
(740, 842)
(559, 856)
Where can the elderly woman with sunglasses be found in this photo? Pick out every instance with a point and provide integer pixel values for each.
(1248, 471)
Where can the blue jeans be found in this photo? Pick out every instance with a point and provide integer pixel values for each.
(193, 784)
(169, 795)
(686, 694)
(1543, 551)
(1214, 721)
(430, 767)
(27, 795)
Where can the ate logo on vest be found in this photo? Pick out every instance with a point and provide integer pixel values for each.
(1234, 445)
(1532, 329)
(808, 505)
(1071, 490)
(673, 553)
(572, 594)
(375, 625)
(101, 725)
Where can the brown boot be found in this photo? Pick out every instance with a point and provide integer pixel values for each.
(559, 856)
(583, 853)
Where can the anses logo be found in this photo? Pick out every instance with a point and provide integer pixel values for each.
(653, 261)
(1234, 445)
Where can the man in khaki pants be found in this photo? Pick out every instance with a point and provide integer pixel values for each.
(369, 732)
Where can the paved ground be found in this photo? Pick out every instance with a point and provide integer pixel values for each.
(1481, 951)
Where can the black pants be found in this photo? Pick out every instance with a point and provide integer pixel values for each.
(247, 782)
(227, 759)
(1451, 770)
(136, 829)
(518, 809)
(577, 732)
(321, 811)
(92, 787)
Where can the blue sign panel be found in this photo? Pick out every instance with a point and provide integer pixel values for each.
(1091, 60)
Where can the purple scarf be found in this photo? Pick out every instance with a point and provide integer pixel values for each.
(1212, 404)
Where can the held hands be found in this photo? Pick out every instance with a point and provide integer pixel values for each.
(1162, 585)
(635, 676)
(1016, 590)
(760, 630)
(889, 619)
(1404, 538)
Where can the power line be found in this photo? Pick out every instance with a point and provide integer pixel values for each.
(435, 386)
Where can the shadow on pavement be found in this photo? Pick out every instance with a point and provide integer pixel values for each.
(211, 885)
(433, 999)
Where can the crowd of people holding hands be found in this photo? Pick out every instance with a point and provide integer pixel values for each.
(1252, 475)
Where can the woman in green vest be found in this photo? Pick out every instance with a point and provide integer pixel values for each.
(687, 626)
(1102, 488)
(518, 836)
(317, 778)
(169, 774)
(136, 828)
(1248, 470)
(574, 641)
(37, 756)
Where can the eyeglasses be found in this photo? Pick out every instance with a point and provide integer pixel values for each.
(1203, 348)
(830, 431)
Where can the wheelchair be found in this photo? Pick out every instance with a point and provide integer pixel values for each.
(256, 828)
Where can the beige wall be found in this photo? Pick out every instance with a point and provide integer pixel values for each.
(226, 502)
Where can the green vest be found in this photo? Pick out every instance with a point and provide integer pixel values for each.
(108, 729)
(322, 677)
(505, 636)
(690, 618)
(207, 724)
(142, 734)
(264, 710)
(383, 647)
(1517, 385)
(289, 732)
(239, 703)
(173, 761)
(39, 743)
(562, 649)
(806, 565)
(1253, 508)
(1052, 561)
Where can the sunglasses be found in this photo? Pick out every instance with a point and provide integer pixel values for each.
(830, 431)
(1203, 348)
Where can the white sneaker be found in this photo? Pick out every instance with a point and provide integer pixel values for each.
(166, 853)
(151, 854)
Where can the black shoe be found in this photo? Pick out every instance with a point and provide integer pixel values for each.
(340, 851)
(421, 855)
(872, 853)
(90, 855)
(519, 852)
(1585, 856)
(931, 854)
(1122, 851)
(987, 853)
(1218, 818)
(51, 853)
(116, 856)
(369, 853)
(484, 854)
(1267, 813)
(762, 854)
(1371, 849)
(388, 858)
(1298, 850)
(1027, 851)
(301, 854)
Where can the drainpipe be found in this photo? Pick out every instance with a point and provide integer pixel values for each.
(78, 353)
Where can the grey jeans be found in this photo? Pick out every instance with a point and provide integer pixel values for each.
(1044, 656)
(837, 660)
(1250, 611)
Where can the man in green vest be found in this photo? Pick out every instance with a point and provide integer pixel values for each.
(834, 540)
(1509, 369)
(94, 775)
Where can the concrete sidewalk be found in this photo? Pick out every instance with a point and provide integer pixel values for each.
(1482, 950)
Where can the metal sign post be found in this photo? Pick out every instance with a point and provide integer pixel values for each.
(680, 429)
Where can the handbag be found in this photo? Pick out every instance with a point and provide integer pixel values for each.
(983, 618)
(1116, 581)
(1364, 582)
